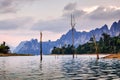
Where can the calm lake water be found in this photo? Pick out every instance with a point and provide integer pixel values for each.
(84, 67)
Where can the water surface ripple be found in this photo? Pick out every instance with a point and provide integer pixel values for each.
(83, 67)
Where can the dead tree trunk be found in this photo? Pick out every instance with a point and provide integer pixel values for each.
(96, 47)
(73, 25)
(40, 46)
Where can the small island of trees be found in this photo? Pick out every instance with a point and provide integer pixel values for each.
(5, 51)
(106, 44)
(4, 48)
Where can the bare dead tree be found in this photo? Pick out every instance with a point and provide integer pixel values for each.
(40, 46)
(73, 25)
(96, 46)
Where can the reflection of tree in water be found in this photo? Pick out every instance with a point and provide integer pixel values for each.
(97, 64)
(105, 67)
(103, 64)
(71, 66)
(40, 66)
(4, 77)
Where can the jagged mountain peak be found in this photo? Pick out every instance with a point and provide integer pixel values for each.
(119, 21)
(115, 28)
(114, 25)
(105, 26)
(74, 30)
(34, 41)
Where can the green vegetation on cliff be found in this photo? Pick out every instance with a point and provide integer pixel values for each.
(106, 44)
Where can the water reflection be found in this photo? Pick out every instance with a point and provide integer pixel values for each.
(61, 68)
(3, 71)
(40, 66)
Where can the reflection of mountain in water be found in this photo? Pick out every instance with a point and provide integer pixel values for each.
(32, 46)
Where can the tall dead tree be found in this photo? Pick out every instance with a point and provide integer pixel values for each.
(40, 46)
(72, 26)
(96, 47)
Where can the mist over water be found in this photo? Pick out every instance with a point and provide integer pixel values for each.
(84, 67)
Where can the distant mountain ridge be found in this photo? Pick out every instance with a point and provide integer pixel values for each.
(32, 46)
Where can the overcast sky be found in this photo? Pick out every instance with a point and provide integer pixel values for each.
(23, 19)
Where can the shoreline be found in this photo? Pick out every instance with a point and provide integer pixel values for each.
(13, 54)
(106, 56)
(112, 56)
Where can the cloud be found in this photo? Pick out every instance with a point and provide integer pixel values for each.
(70, 7)
(77, 13)
(7, 25)
(100, 13)
(17, 23)
(104, 13)
(12, 6)
(84, 20)
(7, 6)
(58, 25)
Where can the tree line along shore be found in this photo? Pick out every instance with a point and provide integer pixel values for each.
(5, 51)
(106, 45)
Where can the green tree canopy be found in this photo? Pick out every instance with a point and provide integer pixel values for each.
(4, 49)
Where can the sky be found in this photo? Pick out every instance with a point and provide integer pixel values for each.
(22, 20)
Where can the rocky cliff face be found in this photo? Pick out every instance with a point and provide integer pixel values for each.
(115, 29)
(32, 47)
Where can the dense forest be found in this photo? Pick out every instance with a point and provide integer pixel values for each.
(106, 44)
(4, 49)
